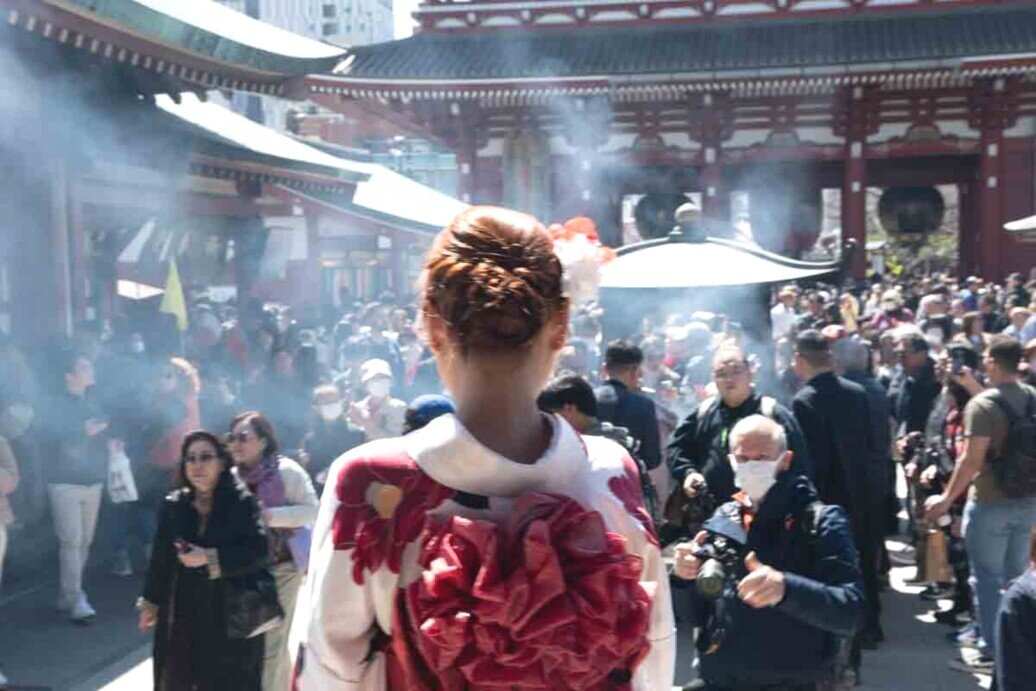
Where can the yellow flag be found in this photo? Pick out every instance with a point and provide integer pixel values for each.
(173, 302)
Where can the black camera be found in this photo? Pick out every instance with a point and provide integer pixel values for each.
(682, 516)
(723, 552)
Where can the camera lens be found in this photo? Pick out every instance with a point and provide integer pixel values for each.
(711, 579)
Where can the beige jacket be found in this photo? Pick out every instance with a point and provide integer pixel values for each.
(8, 481)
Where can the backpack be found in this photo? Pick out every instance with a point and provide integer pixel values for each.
(609, 413)
(1014, 470)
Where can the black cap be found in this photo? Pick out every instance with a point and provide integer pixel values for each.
(812, 341)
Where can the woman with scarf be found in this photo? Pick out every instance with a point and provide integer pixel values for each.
(289, 507)
(209, 530)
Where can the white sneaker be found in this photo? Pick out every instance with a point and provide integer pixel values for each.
(121, 566)
(81, 610)
(3, 681)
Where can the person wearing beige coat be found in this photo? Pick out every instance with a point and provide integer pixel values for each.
(8, 483)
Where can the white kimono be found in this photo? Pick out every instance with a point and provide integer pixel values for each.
(366, 577)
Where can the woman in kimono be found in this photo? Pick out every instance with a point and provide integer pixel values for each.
(494, 548)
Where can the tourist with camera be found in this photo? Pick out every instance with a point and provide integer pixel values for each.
(789, 593)
(699, 447)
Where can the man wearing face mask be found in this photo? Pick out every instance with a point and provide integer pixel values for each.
(330, 434)
(379, 415)
(780, 622)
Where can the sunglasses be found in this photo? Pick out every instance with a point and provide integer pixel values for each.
(240, 437)
(200, 458)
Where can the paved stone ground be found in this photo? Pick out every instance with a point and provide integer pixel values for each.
(40, 650)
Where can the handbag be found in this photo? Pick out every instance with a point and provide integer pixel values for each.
(251, 603)
(936, 558)
(299, 544)
(122, 488)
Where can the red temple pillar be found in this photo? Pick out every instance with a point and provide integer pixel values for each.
(397, 268)
(993, 108)
(854, 205)
(990, 207)
(968, 235)
(465, 122)
(313, 292)
(856, 119)
(466, 164)
(715, 199)
(61, 249)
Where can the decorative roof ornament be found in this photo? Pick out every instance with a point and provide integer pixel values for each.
(688, 226)
(689, 258)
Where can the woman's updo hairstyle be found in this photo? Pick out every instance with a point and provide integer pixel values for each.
(493, 278)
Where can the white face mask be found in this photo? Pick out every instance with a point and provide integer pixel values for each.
(755, 478)
(379, 388)
(331, 411)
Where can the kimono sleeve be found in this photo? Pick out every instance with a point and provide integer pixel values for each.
(656, 671)
(353, 576)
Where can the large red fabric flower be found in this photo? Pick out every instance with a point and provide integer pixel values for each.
(383, 503)
(550, 600)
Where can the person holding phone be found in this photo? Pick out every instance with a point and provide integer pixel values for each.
(209, 529)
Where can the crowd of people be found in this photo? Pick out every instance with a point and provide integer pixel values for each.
(928, 380)
(798, 435)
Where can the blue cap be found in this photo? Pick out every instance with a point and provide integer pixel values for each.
(424, 409)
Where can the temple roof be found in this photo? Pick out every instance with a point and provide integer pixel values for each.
(815, 45)
(249, 140)
(370, 190)
(175, 45)
(208, 28)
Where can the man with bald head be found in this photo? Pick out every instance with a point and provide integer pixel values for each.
(699, 447)
(781, 621)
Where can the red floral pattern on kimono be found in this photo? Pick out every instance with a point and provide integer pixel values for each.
(383, 508)
(626, 488)
(549, 600)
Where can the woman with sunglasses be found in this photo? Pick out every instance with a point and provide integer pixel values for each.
(494, 547)
(289, 507)
(209, 529)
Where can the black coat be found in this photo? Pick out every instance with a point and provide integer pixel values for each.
(1016, 649)
(797, 639)
(634, 411)
(913, 398)
(191, 644)
(834, 414)
(327, 441)
(882, 469)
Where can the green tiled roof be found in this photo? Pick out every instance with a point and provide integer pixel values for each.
(209, 29)
(758, 44)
